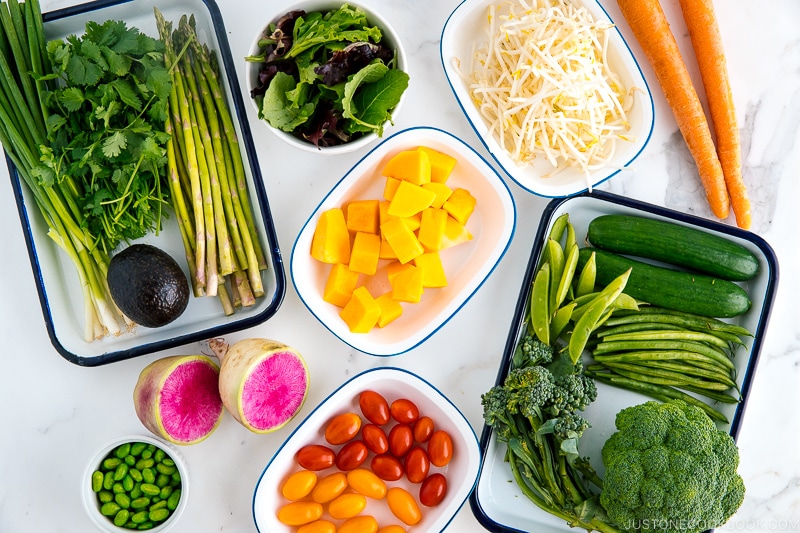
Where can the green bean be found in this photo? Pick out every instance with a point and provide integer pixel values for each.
(688, 320)
(693, 370)
(635, 326)
(660, 355)
(689, 346)
(669, 334)
(665, 377)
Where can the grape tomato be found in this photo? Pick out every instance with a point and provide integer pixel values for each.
(440, 448)
(375, 438)
(423, 429)
(299, 513)
(367, 483)
(416, 465)
(387, 467)
(329, 487)
(347, 505)
(374, 407)
(404, 411)
(359, 524)
(342, 428)
(299, 485)
(401, 437)
(315, 457)
(318, 526)
(433, 490)
(403, 505)
(351, 455)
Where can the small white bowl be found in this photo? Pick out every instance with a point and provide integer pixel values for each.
(92, 504)
(391, 383)
(389, 37)
(466, 265)
(467, 25)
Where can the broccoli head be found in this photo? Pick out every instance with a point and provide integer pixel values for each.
(669, 469)
(531, 351)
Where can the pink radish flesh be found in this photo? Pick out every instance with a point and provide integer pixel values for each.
(189, 404)
(274, 390)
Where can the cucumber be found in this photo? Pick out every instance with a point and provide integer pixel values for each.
(674, 289)
(672, 243)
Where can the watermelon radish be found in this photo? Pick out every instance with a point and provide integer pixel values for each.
(262, 382)
(177, 398)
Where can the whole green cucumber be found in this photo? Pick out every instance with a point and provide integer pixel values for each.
(672, 243)
(673, 289)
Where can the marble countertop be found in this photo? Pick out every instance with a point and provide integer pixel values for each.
(57, 414)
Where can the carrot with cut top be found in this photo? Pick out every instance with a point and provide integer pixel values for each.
(701, 21)
(651, 29)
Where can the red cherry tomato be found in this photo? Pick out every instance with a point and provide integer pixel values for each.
(315, 457)
(404, 411)
(387, 467)
(342, 428)
(374, 407)
(423, 429)
(401, 437)
(416, 465)
(352, 455)
(375, 438)
(440, 448)
(433, 490)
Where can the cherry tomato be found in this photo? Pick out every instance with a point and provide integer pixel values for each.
(417, 465)
(401, 437)
(347, 505)
(433, 490)
(318, 526)
(375, 438)
(315, 457)
(299, 513)
(299, 485)
(387, 467)
(329, 487)
(366, 482)
(342, 428)
(393, 528)
(423, 429)
(403, 505)
(440, 448)
(374, 407)
(404, 411)
(359, 524)
(352, 455)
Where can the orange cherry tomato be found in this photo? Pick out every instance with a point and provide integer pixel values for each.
(393, 528)
(352, 455)
(374, 407)
(366, 482)
(318, 526)
(433, 490)
(403, 505)
(315, 457)
(423, 429)
(299, 513)
(299, 485)
(417, 465)
(359, 524)
(375, 438)
(347, 505)
(404, 411)
(401, 437)
(342, 428)
(440, 448)
(329, 487)
(387, 467)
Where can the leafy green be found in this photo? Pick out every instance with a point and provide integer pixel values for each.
(371, 94)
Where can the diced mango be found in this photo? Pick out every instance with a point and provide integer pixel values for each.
(403, 241)
(340, 285)
(396, 267)
(413, 221)
(430, 264)
(407, 285)
(386, 251)
(391, 309)
(361, 312)
(413, 166)
(365, 253)
(442, 165)
(362, 215)
(390, 188)
(431, 228)
(460, 205)
(442, 191)
(331, 240)
(454, 233)
(409, 199)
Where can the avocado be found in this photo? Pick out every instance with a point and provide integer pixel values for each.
(148, 285)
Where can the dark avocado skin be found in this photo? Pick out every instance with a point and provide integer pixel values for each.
(148, 285)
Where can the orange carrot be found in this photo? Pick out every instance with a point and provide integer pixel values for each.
(651, 29)
(701, 22)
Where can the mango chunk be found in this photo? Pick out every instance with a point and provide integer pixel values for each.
(413, 166)
(442, 165)
(361, 312)
(441, 190)
(396, 267)
(362, 215)
(386, 251)
(403, 241)
(430, 264)
(365, 253)
(390, 188)
(391, 309)
(407, 285)
(331, 240)
(340, 285)
(454, 233)
(409, 199)
(431, 228)
(460, 205)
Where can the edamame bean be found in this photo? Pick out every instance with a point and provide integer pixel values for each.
(158, 515)
(172, 501)
(140, 503)
(150, 489)
(105, 496)
(137, 448)
(139, 517)
(135, 474)
(121, 517)
(148, 475)
(109, 509)
(127, 483)
(123, 500)
(120, 472)
(97, 481)
(123, 450)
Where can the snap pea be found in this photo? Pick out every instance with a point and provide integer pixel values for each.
(556, 260)
(540, 302)
(587, 277)
(561, 320)
(565, 281)
(559, 225)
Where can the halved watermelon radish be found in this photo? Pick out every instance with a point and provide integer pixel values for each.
(263, 383)
(177, 398)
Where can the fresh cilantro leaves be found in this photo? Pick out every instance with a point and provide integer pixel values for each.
(326, 77)
(106, 129)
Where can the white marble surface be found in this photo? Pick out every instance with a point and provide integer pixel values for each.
(56, 414)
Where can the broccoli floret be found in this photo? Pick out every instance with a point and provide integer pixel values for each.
(531, 351)
(569, 425)
(669, 469)
(572, 392)
(495, 403)
(529, 389)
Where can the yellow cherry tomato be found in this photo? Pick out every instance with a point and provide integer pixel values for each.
(318, 526)
(299, 513)
(403, 505)
(367, 483)
(394, 528)
(359, 524)
(299, 485)
(329, 487)
(347, 505)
